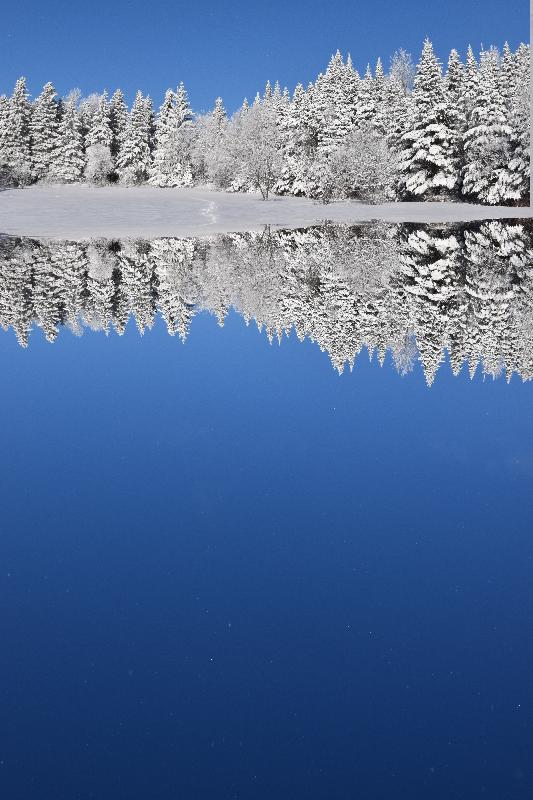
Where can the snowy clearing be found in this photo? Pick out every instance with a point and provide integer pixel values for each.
(85, 212)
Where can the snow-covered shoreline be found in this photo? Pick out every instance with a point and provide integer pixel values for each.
(81, 212)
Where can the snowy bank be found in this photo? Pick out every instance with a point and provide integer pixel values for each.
(83, 212)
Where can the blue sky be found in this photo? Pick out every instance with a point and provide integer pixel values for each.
(230, 48)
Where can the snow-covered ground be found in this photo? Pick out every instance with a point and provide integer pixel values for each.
(84, 212)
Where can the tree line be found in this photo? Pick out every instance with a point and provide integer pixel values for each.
(409, 133)
(414, 291)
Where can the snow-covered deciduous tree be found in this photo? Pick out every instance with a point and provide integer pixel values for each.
(134, 159)
(362, 167)
(403, 69)
(208, 152)
(429, 158)
(44, 130)
(99, 164)
(254, 142)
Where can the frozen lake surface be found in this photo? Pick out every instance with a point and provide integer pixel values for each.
(85, 212)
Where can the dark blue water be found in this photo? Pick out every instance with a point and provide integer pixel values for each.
(228, 572)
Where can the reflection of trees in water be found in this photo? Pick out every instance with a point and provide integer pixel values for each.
(414, 290)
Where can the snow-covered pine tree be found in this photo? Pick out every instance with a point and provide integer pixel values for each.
(15, 153)
(429, 156)
(471, 82)
(219, 114)
(44, 129)
(5, 175)
(161, 169)
(487, 138)
(334, 103)
(507, 74)
(379, 88)
(396, 111)
(294, 133)
(455, 92)
(172, 157)
(69, 161)
(366, 101)
(134, 159)
(514, 178)
(100, 131)
(382, 100)
(183, 108)
(118, 120)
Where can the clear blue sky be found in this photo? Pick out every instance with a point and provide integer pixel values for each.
(230, 48)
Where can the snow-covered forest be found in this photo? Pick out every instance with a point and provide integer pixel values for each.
(415, 291)
(404, 133)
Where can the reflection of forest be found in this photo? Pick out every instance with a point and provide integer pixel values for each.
(417, 291)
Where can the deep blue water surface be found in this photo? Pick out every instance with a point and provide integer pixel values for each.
(228, 572)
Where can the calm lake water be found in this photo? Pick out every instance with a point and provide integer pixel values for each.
(289, 556)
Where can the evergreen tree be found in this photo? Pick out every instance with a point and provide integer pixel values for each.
(514, 178)
(456, 105)
(393, 116)
(15, 153)
(429, 157)
(172, 156)
(118, 120)
(161, 169)
(134, 159)
(100, 131)
(471, 82)
(44, 130)
(366, 102)
(69, 161)
(487, 138)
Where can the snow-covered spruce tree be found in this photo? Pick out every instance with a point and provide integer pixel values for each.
(6, 178)
(173, 131)
(299, 134)
(513, 179)
(366, 101)
(184, 133)
(15, 144)
(69, 161)
(134, 159)
(98, 142)
(429, 156)
(333, 103)
(87, 108)
(486, 140)
(393, 116)
(100, 131)
(160, 172)
(118, 120)
(455, 93)
(44, 130)
(471, 83)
